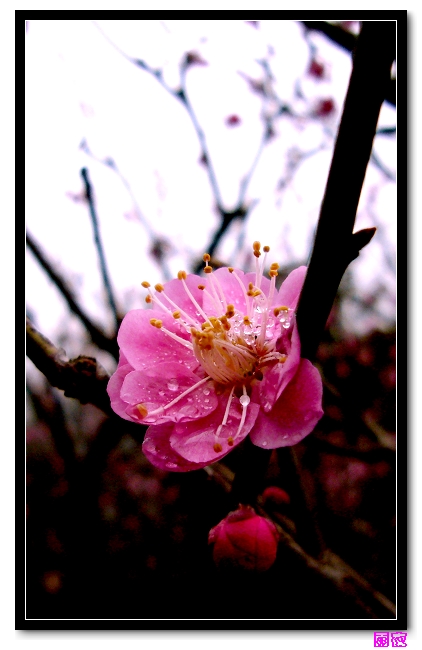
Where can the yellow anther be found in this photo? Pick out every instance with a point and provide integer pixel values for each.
(246, 320)
(206, 257)
(176, 314)
(283, 358)
(257, 253)
(208, 269)
(156, 323)
(159, 287)
(274, 266)
(181, 275)
(266, 249)
(142, 410)
(256, 293)
(146, 285)
(201, 286)
(230, 269)
(277, 310)
(230, 441)
(250, 286)
(148, 298)
(273, 274)
(194, 332)
(217, 448)
(256, 245)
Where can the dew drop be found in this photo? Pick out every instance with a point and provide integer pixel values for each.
(265, 443)
(244, 400)
(206, 391)
(171, 465)
(206, 400)
(172, 385)
(161, 392)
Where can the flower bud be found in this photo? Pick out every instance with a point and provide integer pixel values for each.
(244, 540)
(275, 496)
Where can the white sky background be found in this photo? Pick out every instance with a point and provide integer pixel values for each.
(79, 87)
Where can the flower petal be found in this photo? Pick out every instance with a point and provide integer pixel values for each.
(157, 449)
(195, 440)
(231, 289)
(276, 378)
(145, 345)
(295, 414)
(292, 286)
(114, 387)
(161, 384)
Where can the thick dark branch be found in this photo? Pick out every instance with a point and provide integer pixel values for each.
(82, 378)
(99, 247)
(97, 336)
(335, 244)
(347, 41)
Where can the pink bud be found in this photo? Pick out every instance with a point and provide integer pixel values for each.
(244, 540)
(324, 107)
(233, 120)
(316, 69)
(275, 496)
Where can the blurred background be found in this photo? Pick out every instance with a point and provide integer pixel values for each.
(197, 136)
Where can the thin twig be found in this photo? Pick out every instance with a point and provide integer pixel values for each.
(347, 41)
(99, 246)
(97, 336)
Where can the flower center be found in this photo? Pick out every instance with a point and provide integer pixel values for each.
(234, 348)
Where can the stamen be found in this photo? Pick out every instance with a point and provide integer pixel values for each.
(244, 400)
(226, 414)
(178, 398)
(214, 278)
(192, 299)
(159, 325)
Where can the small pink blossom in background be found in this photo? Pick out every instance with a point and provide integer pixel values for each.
(275, 496)
(324, 108)
(217, 358)
(233, 120)
(316, 69)
(244, 540)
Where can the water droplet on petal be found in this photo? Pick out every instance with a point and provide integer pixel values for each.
(171, 465)
(161, 392)
(172, 385)
(264, 443)
(244, 400)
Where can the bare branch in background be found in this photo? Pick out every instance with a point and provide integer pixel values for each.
(158, 242)
(99, 247)
(97, 336)
(347, 41)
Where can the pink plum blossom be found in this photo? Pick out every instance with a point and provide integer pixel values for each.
(217, 358)
(244, 540)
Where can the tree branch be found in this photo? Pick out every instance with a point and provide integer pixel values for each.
(97, 336)
(335, 244)
(99, 247)
(329, 566)
(347, 41)
(82, 378)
